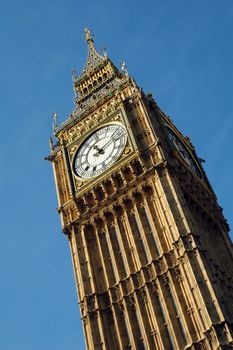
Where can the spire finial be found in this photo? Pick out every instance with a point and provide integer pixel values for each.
(105, 52)
(55, 124)
(88, 35)
(93, 58)
(124, 69)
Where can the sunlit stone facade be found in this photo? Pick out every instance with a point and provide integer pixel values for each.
(150, 247)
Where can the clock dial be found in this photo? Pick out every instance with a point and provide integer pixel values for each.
(183, 152)
(99, 151)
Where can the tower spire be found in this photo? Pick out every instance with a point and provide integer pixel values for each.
(93, 57)
(88, 35)
(90, 85)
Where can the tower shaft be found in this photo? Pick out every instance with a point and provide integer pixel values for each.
(150, 247)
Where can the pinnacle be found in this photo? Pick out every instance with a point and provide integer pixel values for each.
(93, 57)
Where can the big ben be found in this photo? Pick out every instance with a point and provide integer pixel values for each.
(152, 258)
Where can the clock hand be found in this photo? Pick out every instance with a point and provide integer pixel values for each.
(115, 136)
(99, 151)
(97, 148)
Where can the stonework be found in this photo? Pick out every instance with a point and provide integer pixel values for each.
(152, 258)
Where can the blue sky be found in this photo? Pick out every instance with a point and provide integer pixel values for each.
(181, 51)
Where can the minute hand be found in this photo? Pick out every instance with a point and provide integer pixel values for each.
(114, 137)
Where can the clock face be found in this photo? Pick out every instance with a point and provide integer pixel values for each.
(183, 152)
(100, 150)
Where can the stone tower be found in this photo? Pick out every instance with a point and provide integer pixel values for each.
(152, 258)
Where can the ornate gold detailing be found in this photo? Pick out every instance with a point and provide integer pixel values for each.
(91, 121)
(127, 150)
(116, 117)
(73, 149)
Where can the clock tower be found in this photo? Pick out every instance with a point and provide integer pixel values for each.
(152, 258)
